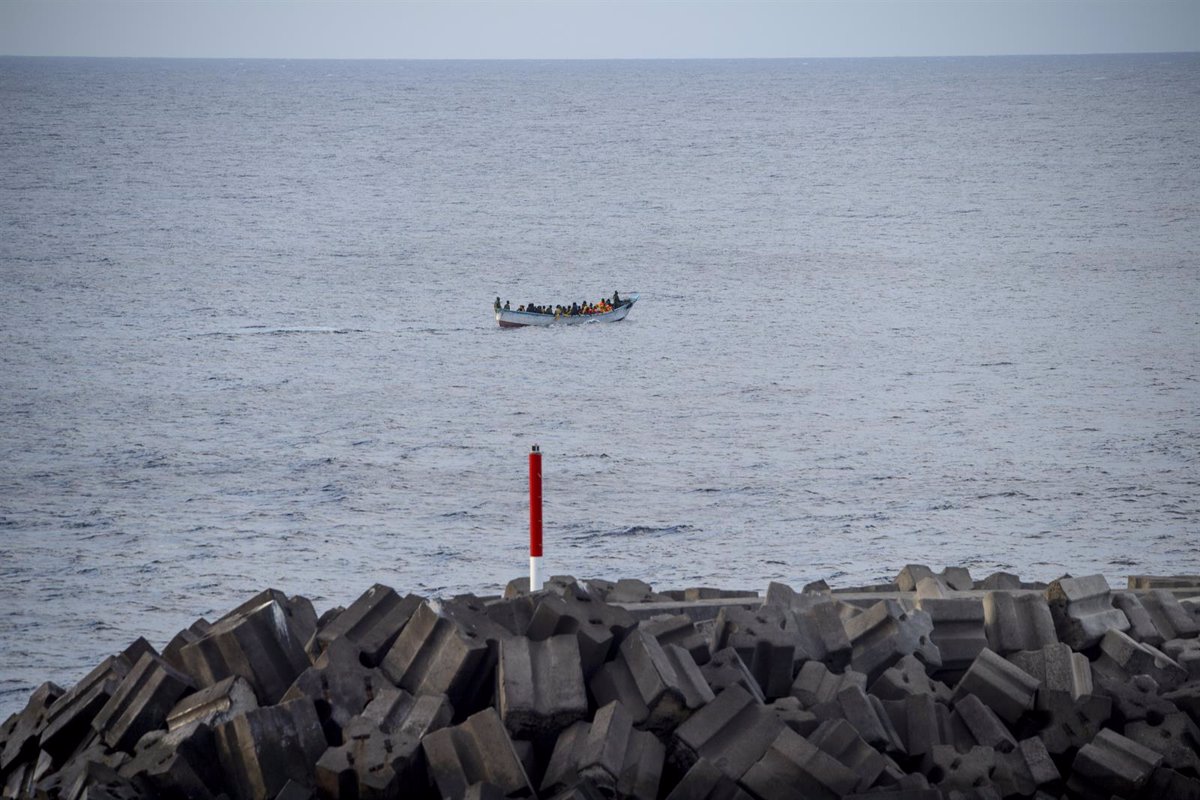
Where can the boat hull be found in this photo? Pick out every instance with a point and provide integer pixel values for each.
(524, 319)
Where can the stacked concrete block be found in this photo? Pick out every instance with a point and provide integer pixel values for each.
(885, 633)
(69, 718)
(913, 574)
(763, 644)
(664, 681)
(369, 714)
(958, 629)
(981, 725)
(339, 683)
(815, 621)
(1004, 687)
(1112, 765)
(791, 761)
(141, 702)
(1170, 617)
(261, 750)
(921, 722)
(706, 781)
(1082, 610)
(1057, 669)
(1174, 736)
(1141, 626)
(866, 713)
(679, 630)
(1014, 622)
(842, 740)
(381, 755)
(477, 751)
(815, 683)
(194, 632)
(434, 655)
(540, 686)
(262, 641)
(24, 730)
(908, 676)
(598, 626)
(732, 733)
(726, 669)
(608, 755)
(372, 622)
(1121, 657)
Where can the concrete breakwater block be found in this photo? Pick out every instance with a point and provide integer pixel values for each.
(959, 688)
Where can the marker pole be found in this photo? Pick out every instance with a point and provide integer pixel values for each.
(535, 519)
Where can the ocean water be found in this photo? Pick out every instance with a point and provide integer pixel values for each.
(892, 311)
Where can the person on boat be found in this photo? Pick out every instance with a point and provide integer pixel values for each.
(496, 305)
(616, 301)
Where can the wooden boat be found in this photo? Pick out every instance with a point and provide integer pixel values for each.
(524, 319)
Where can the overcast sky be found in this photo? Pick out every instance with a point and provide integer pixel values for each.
(586, 29)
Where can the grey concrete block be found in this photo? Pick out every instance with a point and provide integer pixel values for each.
(920, 721)
(261, 750)
(434, 655)
(539, 685)
(1170, 617)
(262, 641)
(1134, 699)
(1064, 723)
(1186, 653)
(866, 714)
(951, 770)
(986, 729)
(1014, 622)
(182, 766)
(477, 751)
(679, 630)
(911, 575)
(562, 770)
(68, 721)
(1166, 783)
(726, 669)
(25, 728)
(171, 653)
(839, 739)
(908, 676)
(372, 622)
(667, 680)
(706, 781)
(815, 683)
(1004, 687)
(817, 623)
(732, 732)
(619, 761)
(1121, 658)
(1175, 736)
(1027, 768)
(1082, 611)
(1111, 765)
(213, 705)
(140, 702)
(338, 682)
(791, 712)
(1186, 698)
(759, 637)
(791, 761)
(1057, 669)
(885, 633)
(958, 629)
(381, 756)
(957, 578)
(598, 626)
(999, 581)
(1141, 626)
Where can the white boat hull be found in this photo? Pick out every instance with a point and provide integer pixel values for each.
(525, 319)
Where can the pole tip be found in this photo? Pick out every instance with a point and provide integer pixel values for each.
(535, 449)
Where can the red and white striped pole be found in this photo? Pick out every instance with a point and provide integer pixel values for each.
(535, 519)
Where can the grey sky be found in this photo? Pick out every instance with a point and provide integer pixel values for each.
(584, 29)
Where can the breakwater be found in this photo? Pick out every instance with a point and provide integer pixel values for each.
(936, 685)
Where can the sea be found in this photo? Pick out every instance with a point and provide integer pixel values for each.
(927, 310)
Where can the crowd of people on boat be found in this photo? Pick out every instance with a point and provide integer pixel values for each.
(574, 310)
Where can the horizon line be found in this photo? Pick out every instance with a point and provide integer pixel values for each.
(599, 58)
